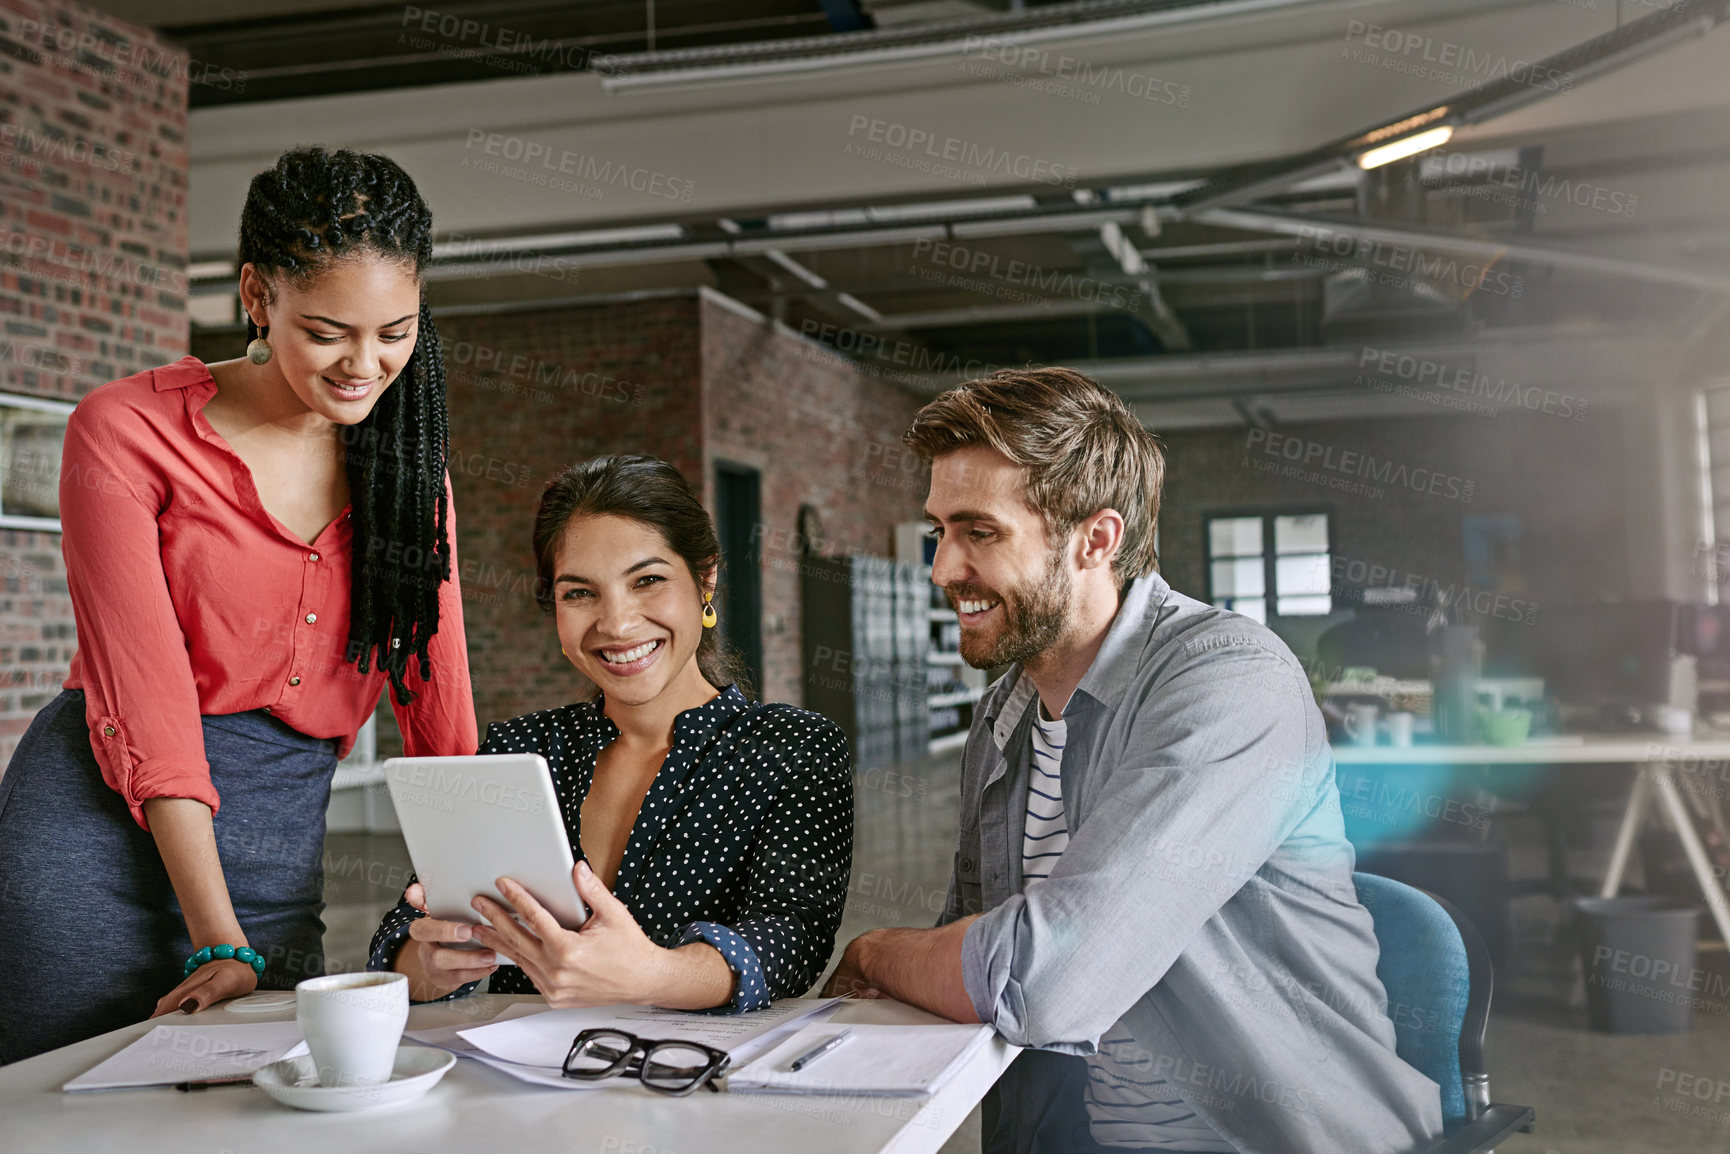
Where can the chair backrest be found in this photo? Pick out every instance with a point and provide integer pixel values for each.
(1437, 976)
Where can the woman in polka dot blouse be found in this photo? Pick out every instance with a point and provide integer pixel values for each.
(715, 834)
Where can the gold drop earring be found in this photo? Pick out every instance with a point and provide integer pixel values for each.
(709, 617)
(259, 351)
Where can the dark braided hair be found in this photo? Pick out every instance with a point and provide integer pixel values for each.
(313, 209)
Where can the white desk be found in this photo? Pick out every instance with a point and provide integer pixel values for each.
(474, 1108)
(1657, 758)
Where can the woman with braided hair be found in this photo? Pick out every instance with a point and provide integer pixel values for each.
(254, 548)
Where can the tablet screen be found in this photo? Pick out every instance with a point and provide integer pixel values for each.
(470, 820)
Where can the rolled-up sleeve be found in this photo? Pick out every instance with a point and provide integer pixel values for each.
(141, 702)
(440, 721)
(1202, 796)
(779, 943)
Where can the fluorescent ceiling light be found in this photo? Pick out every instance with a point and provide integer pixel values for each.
(1160, 190)
(454, 249)
(923, 210)
(1410, 146)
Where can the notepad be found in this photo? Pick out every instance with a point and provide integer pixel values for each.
(169, 1055)
(530, 1042)
(876, 1061)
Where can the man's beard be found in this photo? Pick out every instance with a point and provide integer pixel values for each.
(1034, 615)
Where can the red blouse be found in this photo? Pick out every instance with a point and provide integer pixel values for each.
(191, 599)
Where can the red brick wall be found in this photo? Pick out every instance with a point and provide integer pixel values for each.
(818, 429)
(93, 179)
(821, 432)
(628, 381)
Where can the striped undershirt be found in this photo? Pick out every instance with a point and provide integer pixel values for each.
(1126, 1105)
(1046, 835)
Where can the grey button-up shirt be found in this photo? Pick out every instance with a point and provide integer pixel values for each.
(1205, 898)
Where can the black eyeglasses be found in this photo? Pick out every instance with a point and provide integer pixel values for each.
(668, 1065)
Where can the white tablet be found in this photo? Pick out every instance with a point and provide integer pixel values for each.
(471, 820)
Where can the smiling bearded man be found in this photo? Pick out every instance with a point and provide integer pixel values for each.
(1153, 890)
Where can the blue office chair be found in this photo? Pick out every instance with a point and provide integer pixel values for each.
(1437, 975)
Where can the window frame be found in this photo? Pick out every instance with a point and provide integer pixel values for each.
(17, 521)
(1269, 560)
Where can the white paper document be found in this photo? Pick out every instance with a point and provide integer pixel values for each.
(450, 1038)
(886, 1061)
(532, 1045)
(172, 1054)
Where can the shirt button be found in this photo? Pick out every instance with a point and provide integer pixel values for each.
(294, 681)
(311, 617)
(312, 556)
(108, 731)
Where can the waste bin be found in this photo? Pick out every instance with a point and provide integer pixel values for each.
(1638, 957)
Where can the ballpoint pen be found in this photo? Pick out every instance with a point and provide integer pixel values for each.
(819, 1050)
(207, 1083)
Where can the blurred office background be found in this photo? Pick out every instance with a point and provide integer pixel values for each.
(1426, 300)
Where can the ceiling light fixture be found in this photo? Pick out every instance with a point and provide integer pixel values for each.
(1410, 146)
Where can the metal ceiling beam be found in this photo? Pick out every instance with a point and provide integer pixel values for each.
(731, 62)
(673, 249)
(987, 314)
(1220, 376)
(1316, 231)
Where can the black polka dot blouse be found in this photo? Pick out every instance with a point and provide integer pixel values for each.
(745, 839)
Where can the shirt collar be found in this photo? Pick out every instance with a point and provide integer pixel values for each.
(185, 373)
(1125, 646)
(699, 722)
(1114, 667)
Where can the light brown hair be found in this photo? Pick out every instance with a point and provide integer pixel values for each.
(1078, 445)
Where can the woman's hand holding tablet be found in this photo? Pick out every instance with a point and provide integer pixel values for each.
(610, 960)
(439, 955)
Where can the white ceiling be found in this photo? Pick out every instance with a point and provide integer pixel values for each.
(1265, 79)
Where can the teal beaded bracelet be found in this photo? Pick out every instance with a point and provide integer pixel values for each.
(223, 953)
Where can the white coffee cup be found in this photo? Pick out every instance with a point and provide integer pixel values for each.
(353, 1024)
(1400, 729)
(1361, 723)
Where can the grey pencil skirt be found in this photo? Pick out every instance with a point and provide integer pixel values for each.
(92, 934)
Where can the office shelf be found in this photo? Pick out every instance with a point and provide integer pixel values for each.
(864, 634)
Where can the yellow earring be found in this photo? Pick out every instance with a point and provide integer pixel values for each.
(709, 617)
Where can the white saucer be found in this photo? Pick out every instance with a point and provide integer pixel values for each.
(294, 1082)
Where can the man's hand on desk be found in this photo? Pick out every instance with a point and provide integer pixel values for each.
(919, 967)
(848, 980)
